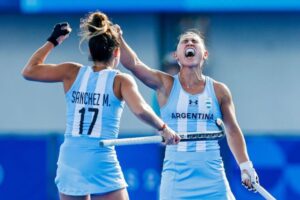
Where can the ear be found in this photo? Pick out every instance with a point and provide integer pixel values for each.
(116, 52)
(174, 54)
(205, 56)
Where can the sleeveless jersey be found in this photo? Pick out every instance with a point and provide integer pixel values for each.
(193, 170)
(186, 112)
(92, 108)
(93, 113)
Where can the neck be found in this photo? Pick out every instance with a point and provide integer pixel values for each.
(100, 66)
(191, 77)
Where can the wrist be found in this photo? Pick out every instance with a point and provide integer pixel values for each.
(246, 165)
(162, 127)
(53, 41)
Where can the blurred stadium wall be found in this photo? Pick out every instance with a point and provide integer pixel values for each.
(253, 48)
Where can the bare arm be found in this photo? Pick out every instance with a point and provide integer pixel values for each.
(129, 59)
(37, 70)
(235, 138)
(234, 135)
(137, 104)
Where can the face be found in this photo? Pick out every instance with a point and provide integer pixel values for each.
(191, 50)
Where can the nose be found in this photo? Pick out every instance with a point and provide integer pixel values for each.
(190, 42)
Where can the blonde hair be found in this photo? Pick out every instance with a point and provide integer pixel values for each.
(93, 24)
(98, 30)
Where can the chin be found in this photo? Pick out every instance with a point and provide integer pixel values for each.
(190, 63)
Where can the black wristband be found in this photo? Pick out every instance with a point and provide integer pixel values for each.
(60, 29)
(52, 40)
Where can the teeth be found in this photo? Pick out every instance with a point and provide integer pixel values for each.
(189, 52)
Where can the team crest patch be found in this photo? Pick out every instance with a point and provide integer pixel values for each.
(208, 103)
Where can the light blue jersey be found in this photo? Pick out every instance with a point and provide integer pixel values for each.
(193, 170)
(93, 113)
(92, 108)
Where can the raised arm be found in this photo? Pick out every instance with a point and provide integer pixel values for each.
(37, 70)
(129, 59)
(137, 104)
(235, 136)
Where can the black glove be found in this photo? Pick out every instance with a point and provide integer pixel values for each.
(59, 33)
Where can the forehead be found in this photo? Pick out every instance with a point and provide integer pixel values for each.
(190, 35)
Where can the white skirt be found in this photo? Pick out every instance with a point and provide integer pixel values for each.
(194, 176)
(85, 168)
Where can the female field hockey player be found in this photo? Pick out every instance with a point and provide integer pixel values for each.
(95, 99)
(191, 102)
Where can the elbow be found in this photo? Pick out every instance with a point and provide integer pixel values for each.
(140, 113)
(27, 72)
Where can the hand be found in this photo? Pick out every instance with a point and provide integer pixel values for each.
(170, 137)
(60, 32)
(248, 175)
(118, 30)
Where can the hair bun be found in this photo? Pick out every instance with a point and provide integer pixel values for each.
(95, 24)
(98, 22)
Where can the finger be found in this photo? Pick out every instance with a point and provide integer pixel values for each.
(168, 140)
(248, 183)
(177, 139)
(171, 140)
(245, 177)
(117, 28)
(249, 186)
(65, 32)
(66, 28)
(64, 24)
(246, 187)
(165, 140)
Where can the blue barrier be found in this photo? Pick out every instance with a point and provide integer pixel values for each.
(277, 162)
(142, 167)
(24, 168)
(28, 164)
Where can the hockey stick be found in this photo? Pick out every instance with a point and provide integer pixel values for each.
(263, 192)
(190, 136)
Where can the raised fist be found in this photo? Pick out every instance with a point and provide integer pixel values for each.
(60, 32)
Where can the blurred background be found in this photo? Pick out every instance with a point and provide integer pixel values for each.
(253, 48)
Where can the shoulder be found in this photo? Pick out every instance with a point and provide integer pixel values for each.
(124, 79)
(166, 78)
(166, 81)
(123, 83)
(71, 68)
(222, 91)
(70, 65)
(220, 87)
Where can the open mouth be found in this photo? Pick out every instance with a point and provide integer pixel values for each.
(189, 52)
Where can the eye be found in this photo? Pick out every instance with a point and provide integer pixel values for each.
(185, 41)
(195, 41)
